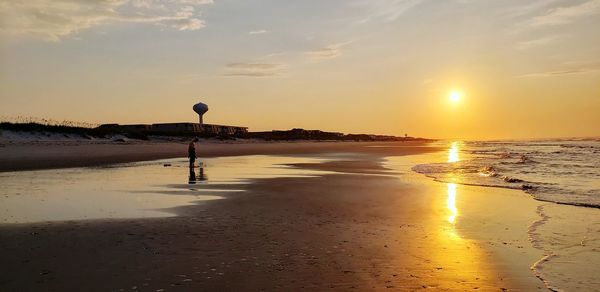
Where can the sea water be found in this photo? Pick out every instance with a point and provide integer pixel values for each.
(561, 171)
(555, 171)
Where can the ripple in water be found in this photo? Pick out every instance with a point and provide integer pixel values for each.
(566, 172)
(561, 171)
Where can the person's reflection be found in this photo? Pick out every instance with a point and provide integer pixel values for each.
(192, 178)
(201, 177)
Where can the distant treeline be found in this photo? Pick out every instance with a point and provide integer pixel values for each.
(301, 134)
(85, 132)
(45, 121)
(289, 135)
(51, 128)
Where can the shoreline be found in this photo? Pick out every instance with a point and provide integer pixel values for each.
(53, 155)
(357, 228)
(560, 237)
(368, 225)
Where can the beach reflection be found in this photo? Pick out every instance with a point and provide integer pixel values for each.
(135, 190)
(453, 152)
(453, 156)
(449, 250)
(451, 203)
(201, 174)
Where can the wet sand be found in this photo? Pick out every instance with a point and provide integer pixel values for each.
(46, 155)
(351, 230)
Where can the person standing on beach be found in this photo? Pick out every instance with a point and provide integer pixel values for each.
(192, 153)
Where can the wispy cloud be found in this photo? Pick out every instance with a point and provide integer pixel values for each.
(253, 69)
(523, 45)
(55, 20)
(569, 68)
(386, 10)
(260, 31)
(565, 14)
(556, 73)
(328, 52)
(525, 8)
(274, 55)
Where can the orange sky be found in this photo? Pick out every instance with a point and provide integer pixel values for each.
(527, 69)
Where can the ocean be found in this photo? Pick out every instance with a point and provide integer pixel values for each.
(560, 171)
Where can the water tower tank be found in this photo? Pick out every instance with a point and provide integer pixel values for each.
(200, 109)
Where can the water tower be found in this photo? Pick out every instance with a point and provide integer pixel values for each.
(200, 109)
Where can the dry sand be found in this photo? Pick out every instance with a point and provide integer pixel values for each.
(353, 230)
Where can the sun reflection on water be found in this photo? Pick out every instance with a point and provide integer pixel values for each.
(453, 156)
(451, 203)
(454, 254)
(453, 153)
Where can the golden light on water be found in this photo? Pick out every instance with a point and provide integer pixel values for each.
(453, 153)
(459, 256)
(451, 202)
(453, 156)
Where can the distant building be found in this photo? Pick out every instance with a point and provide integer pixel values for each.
(198, 128)
(176, 127)
(135, 128)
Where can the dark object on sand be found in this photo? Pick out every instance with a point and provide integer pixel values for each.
(192, 153)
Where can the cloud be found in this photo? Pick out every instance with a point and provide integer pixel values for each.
(324, 53)
(253, 66)
(556, 73)
(569, 68)
(55, 20)
(328, 52)
(536, 42)
(262, 31)
(565, 15)
(386, 10)
(528, 8)
(250, 74)
(253, 69)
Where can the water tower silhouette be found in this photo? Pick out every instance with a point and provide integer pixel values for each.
(200, 109)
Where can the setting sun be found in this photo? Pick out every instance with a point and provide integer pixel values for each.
(444, 145)
(455, 96)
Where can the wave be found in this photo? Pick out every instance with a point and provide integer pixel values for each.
(565, 172)
(558, 172)
(536, 241)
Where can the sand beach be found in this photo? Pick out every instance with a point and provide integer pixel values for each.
(341, 216)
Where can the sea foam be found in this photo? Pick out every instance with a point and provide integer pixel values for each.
(562, 171)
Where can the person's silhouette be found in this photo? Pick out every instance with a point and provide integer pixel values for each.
(192, 153)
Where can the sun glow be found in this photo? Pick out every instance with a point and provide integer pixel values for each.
(455, 96)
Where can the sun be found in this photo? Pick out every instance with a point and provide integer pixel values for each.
(455, 96)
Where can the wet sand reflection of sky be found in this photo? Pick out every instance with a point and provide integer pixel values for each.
(135, 190)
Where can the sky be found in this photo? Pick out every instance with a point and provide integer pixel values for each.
(524, 69)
